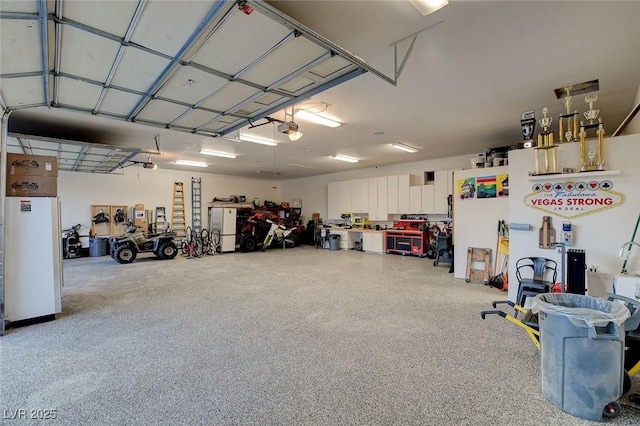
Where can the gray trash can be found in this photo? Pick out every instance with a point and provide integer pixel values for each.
(98, 247)
(334, 242)
(581, 352)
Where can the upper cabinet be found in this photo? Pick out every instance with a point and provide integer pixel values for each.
(360, 196)
(398, 188)
(333, 202)
(442, 188)
(382, 199)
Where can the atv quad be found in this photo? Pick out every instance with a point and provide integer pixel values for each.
(125, 249)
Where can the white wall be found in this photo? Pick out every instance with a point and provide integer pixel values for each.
(475, 221)
(634, 126)
(153, 188)
(600, 234)
(314, 190)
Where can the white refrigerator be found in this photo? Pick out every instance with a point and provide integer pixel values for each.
(33, 258)
(224, 219)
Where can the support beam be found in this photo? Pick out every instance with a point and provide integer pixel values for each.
(44, 39)
(4, 124)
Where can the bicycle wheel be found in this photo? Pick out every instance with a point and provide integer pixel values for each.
(189, 234)
(215, 239)
(196, 242)
(207, 247)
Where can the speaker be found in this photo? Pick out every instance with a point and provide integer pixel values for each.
(576, 271)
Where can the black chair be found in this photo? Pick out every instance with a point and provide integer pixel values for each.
(535, 275)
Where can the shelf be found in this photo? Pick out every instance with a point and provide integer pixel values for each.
(580, 175)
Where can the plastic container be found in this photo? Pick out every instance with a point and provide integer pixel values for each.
(581, 352)
(334, 242)
(98, 247)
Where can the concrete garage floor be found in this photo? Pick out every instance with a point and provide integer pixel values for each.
(297, 336)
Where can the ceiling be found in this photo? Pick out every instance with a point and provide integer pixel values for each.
(120, 76)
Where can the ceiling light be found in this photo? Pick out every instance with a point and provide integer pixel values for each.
(191, 163)
(217, 153)
(404, 147)
(426, 7)
(345, 158)
(253, 139)
(318, 119)
(300, 166)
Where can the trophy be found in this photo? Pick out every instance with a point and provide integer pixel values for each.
(528, 123)
(545, 144)
(568, 120)
(588, 160)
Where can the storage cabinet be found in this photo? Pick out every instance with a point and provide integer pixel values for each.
(333, 201)
(373, 198)
(359, 196)
(373, 242)
(442, 189)
(398, 194)
(382, 199)
(406, 242)
(345, 197)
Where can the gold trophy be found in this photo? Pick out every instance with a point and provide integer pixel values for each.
(568, 121)
(588, 160)
(546, 146)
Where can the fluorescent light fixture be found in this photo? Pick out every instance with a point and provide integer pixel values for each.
(254, 139)
(300, 166)
(426, 7)
(318, 119)
(217, 153)
(345, 158)
(191, 163)
(404, 147)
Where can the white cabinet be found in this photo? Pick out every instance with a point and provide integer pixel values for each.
(345, 197)
(382, 199)
(398, 194)
(442, 189)
(415, 200)
(372, 242)
(359, 196)
(428, 192)
(372, 199)
(421, 199)
(333, 202)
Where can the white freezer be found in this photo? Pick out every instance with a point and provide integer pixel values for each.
(224, 219)
(33, 258)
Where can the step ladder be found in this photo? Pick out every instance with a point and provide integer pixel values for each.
(160, 219)
(178, 215)
(196, 203)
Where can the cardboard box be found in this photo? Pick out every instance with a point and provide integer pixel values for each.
(32, 186)
(32, 165)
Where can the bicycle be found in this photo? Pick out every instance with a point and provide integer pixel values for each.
(192, 244)
(207, 244)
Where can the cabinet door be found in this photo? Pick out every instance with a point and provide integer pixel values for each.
(377, 242)
(428, 192)
(367, 241)
(415, 200)
(392, 194)
(382, 199)
(345, 197)
(442, 187)
(359, 193)
(403, 193)
(333, 202)
(372, 200)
